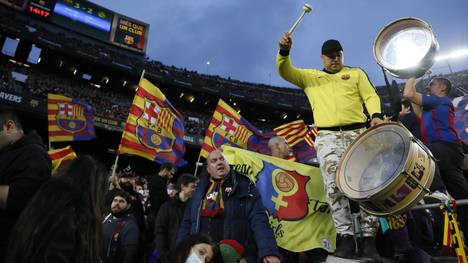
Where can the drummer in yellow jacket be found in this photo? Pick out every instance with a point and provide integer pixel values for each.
(336, 94)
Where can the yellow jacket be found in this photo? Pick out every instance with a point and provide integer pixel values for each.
(336, 99)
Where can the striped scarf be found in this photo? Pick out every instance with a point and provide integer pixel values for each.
(213, 204)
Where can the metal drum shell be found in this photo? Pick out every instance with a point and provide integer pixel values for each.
(396, 26)
(402, 192)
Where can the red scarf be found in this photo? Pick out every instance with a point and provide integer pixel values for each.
(213, 204)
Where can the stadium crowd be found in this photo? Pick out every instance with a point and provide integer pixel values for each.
(80, 211)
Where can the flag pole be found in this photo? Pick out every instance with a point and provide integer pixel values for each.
(115, 164)
(50, 145)
(197, 164)
(142, 75)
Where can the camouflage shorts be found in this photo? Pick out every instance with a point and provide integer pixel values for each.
(330, 147)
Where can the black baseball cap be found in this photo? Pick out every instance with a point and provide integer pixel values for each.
(330, 46)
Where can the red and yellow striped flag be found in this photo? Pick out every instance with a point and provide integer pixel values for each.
(294, 132)
(60, 155)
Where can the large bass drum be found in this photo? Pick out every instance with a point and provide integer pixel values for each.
(386, 170)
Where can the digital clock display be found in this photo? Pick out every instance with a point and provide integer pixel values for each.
(40, 8)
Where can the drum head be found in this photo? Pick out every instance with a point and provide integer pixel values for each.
(405, 47)
(373, 160)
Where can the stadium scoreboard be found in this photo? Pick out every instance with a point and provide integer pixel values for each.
(89, 19)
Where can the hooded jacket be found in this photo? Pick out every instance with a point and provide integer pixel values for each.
(24, 167)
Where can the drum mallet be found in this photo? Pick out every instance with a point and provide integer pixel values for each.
(305, 10)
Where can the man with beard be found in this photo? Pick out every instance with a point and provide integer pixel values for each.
(24, 167)
(121, 233)
(127, 182)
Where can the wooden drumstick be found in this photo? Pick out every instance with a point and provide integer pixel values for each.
(305, 9)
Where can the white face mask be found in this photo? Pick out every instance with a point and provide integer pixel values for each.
(193, 258)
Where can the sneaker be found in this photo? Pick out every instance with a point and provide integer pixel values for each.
(346, 247)
(435, 197)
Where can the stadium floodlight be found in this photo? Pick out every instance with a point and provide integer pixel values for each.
(454, 54)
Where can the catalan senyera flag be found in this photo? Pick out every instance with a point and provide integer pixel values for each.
(154, 128)
(300, 140)
(59, 155)
(229, 127)
(69, 119)
(293, 195)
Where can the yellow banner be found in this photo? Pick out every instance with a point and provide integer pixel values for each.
(294, 197)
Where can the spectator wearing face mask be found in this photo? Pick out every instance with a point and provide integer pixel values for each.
(196, 248)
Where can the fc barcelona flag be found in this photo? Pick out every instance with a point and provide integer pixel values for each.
(300, 140)
(154, 128)
(461, 118)
(293, 195)
(229, 127)
(69, 119)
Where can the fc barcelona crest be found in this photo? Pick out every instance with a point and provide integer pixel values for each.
(231, 132)
(154, 127)
(70, 117)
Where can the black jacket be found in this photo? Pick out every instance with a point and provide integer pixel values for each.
(24, 166)
(167, 226)
(125, 249)
(157, 193)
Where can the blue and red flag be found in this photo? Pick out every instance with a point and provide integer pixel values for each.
(69, 119)
(461, 119)
(154, 128)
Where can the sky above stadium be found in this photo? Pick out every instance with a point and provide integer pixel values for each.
(239, 38)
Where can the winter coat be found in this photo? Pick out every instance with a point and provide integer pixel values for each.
(24, 167)
(167, 226)
(245, 218)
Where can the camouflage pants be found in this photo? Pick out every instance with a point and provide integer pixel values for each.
(330, 147)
